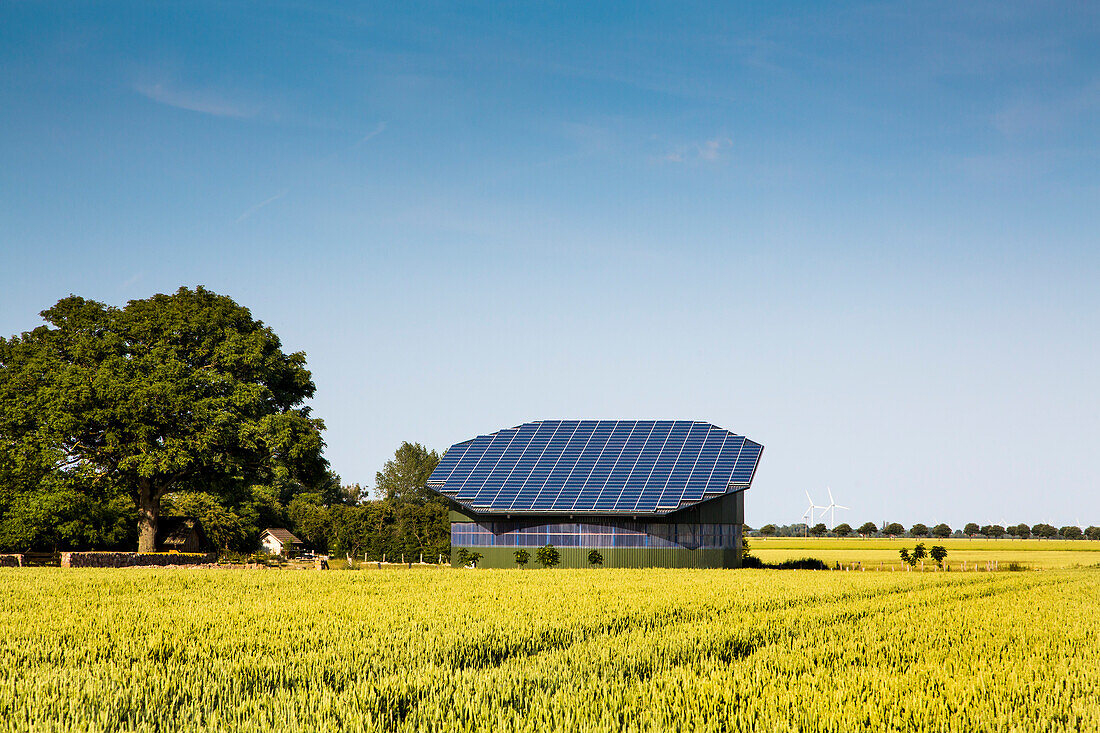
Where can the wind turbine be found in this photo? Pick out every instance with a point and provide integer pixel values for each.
(809, 515)
(833, 506)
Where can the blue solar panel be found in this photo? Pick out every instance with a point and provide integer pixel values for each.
(674, 488)
(746, 463)
(590, 466)
(449, 460)
(723, 467)
(473, 483)
(608, 498)
(586, 464)
(474, 452)
(662, 468)
(565, 465)
(487, 494)
(605, 463)
(704, 465)
(526, 462)
(546, 463)
(644, 466)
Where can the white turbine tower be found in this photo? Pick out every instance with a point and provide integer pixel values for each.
(833, 506)
(809, 515)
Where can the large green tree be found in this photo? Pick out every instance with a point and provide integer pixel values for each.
(171, 393)
(404, 477)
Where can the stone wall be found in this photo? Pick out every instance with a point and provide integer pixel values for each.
(132, 559)
(11, 561)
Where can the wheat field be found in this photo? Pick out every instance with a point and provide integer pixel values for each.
(548, 650)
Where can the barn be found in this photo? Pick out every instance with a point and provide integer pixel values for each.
(181, 534)
(279, 541)
(644, 493)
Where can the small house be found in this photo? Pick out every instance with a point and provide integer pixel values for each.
(181, 534)
(278, 541)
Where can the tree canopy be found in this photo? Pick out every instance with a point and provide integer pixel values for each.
(180, 392)
(404, 477)
(868, 528)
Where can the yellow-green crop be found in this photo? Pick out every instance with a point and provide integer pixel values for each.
(543, 650)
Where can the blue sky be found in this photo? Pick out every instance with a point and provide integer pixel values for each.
(864, 235)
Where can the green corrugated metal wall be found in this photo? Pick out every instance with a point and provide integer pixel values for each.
(614, 557)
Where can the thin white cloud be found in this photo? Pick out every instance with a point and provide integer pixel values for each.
(1035, 115)
(708, 151)
(378, 130)
(253, 209)
(712, 149)
(132, 280)
(204, 101)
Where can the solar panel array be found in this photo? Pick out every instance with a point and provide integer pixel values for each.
(596, 466)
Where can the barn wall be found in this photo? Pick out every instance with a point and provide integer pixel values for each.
(613, 557)
(727, 511)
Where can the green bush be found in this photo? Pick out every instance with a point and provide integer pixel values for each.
(548, 556)
(595, 558)
(805, 563)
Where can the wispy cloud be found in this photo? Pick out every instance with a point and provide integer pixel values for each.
(132, 280)
(253, 209)
(247, 213)
(708, 151)
(378, 130)
(204, 101)
(1035, 115)
(712, 149)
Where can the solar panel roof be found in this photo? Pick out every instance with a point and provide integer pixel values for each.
(596, 467)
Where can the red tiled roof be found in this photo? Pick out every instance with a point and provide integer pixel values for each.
(283, 535)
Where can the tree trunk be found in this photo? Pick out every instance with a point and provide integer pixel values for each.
(148, 513)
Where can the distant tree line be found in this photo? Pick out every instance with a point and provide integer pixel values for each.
(895, 529)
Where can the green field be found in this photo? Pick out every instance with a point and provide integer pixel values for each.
(437, 649)
(1038, 554)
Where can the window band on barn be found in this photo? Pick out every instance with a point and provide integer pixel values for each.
(659, 493)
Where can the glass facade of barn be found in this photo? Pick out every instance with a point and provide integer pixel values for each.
(515, 534)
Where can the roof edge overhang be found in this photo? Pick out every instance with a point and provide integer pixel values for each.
(487, 512)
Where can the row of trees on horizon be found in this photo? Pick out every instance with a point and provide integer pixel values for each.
(895, 529)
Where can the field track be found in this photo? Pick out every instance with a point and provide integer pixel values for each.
(539, 650)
